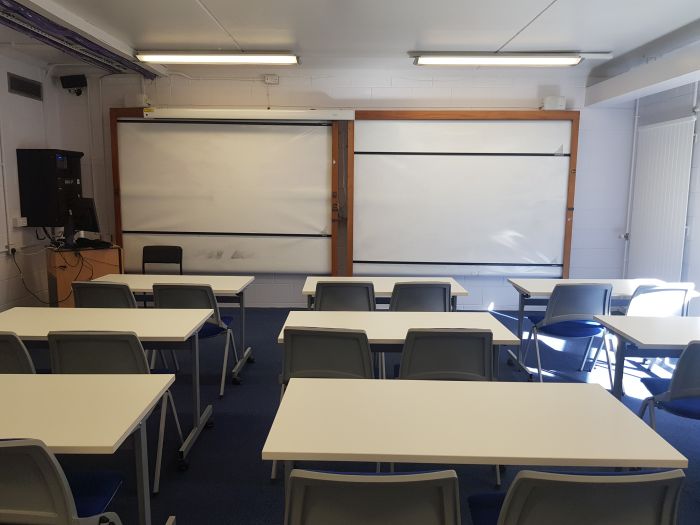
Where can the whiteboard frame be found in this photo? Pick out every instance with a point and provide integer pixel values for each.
(572, 116)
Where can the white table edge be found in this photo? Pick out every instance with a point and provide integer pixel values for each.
(140, 290)
(462, 292)
(640, 346)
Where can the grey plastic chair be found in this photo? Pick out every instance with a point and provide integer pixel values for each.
(320, 498)
(679, 395)
(421, 297)
(101, 294)
(344, 296)
(448, 354)
(199, 296)
(161, 255)
(324, 352)
(109, 353)
(569, 314)
(14, 358)
(34, 488)
(537, 498)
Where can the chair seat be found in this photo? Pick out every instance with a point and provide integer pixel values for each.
(93, 491)
(486, 507)
(212, 330)
(573, 329)
(686, 407)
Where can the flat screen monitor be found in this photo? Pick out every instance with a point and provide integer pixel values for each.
(84, 215)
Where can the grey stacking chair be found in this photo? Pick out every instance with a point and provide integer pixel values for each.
(447, 354)
(320, 498)
(34, 488)
(421, 297)
(14, 358)
(199, 296)
(109, 353)
(324, 352)
(537, 498)
(344, 296)
(101, 294)
(454, 354)
(667, 300)
(161, 255)
(569, 314)
(679, 395)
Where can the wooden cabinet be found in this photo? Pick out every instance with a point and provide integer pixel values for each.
(65, 266)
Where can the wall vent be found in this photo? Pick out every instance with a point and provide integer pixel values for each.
(24, 86)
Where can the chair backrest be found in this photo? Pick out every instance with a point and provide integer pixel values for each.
(33, 487)
(686, 377)
(326, 352)
(96, 353)
(161, 255)
(186, 296)
(344, 296)
(535, 498)
(570, 302)
(421, 297)
(667, 300)
(100, 294)
(451, 354)
(320, 498)
(14, 358)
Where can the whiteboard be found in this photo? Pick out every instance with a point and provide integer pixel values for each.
(471, 197)
(193, 179)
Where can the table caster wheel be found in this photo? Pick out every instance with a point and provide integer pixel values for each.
(235, 380)
(183, 464)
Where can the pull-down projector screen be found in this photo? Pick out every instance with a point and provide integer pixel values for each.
(460, 197)
(238, 197)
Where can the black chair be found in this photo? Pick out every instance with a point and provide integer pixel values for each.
(345, 296)
(161, 255)
(421, 297)
(100, 294)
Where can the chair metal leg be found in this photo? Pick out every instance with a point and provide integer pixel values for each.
(527, 345)
(173, 355)
(163, 360)
(643, 408)
(607, 360)
(498, 476)
(652, 413)
(586, 354)
(176, 418)
(229, 336)
(152, 363)
(537, 353)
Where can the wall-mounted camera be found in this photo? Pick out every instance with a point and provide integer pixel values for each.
(75, 84)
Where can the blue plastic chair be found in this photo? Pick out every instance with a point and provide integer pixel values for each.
(679, 395)
(569, 314)
(538, 498)
(34, 488)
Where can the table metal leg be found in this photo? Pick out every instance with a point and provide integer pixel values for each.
(619, 367)
(199, 419)
(142, 483)
(247, 351)
(521, 321)
(310, 302)
(453, 303)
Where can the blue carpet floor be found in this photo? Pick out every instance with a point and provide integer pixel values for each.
(228, 483)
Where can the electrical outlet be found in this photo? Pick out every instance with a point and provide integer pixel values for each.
(271, 80)
(19, 222)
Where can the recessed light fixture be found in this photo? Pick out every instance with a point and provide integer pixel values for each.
(252, 59)
(503, 59)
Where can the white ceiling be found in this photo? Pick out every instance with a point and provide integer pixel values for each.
(331, 32)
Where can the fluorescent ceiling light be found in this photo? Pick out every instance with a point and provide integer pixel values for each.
(497, 59)
(267, 59)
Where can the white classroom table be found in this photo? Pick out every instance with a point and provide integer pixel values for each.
(383, 286)
(461, 422)
(227, 288)
(390, 328)
(157, 328)
(84, 414)
(648, 337)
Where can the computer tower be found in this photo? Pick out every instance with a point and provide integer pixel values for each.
(49, 181)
